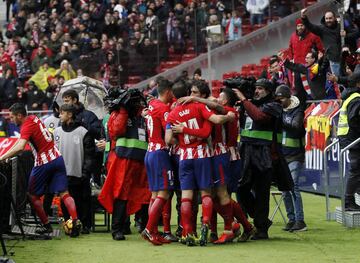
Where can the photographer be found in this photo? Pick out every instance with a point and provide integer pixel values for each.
(125, 189)
(257, 129)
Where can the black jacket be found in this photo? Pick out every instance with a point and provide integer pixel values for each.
(89, 120)
(317, 83)
(330, 37)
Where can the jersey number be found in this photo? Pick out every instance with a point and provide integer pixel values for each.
(192, 124)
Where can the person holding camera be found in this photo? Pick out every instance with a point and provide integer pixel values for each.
(257, 122)
(125, 190)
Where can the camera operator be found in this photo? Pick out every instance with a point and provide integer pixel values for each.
(257, 128)
(125, 189)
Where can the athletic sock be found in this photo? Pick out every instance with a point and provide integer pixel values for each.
(150, 204)
(70, 206)
(39, 209)
(226, 212)
(194, 213)
(166, 215)
(207, 208)
(240, 216)
(213, 221)
(155, 213)
(186, 215)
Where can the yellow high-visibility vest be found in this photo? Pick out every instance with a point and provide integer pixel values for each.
(343, 124)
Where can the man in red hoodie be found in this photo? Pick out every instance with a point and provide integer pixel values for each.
(301, 42)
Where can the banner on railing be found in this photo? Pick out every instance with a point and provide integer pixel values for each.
(7, 143)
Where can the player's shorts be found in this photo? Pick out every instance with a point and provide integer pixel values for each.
(221, 167)
(235, 175)
(159, 170)
(175, 159)
(50, 176)
(195, 174)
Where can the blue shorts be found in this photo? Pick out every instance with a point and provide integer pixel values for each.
(221, 168)
(175, 159)
(50, 176)
(195, 174)
(159, 170)
(235, 175)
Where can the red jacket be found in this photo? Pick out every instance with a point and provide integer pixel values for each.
(298, 48)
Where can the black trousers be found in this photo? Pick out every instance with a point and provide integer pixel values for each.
(119, 216)
(79, 189)
(255, 196)
(353, 181)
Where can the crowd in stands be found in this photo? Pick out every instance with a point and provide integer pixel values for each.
(45, 43)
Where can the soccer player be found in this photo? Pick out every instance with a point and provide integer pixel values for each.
(49, 169)
(194, 172)
(223, 203)
(158, 166)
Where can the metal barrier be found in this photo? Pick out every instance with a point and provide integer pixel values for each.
(329, 215)
(342, 175)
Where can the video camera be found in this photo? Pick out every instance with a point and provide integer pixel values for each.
(245, 85)
(130, 99)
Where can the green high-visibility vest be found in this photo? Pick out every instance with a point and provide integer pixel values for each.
(343, 124)
(263, 135)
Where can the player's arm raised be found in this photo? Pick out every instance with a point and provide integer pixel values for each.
(18, 147)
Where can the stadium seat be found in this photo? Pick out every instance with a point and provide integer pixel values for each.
(134, 79)
(190, 49)
(187, 57)
(174, 57)
(246, 29)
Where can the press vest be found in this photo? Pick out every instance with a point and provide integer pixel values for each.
(256, 133)
(292, 142)
(133, 144)
(71, 146)
(343, 124)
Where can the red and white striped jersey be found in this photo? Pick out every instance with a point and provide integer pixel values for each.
(200, 151)
(40, 140)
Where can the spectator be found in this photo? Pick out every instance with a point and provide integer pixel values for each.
(66, 70)
(39, 59)
(176, 38)
(34, 97)
(41, 76)
(301, 42)
(8, 89)
(330, 35)
(256, 8)
(312, 77)
(232, 24)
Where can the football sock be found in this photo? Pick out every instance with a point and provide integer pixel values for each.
(150, 204)
(166, 215)
(226, 211)
(186, 214)
(194, 213)
(39, 209)
(70, 206)
(155, 213)
(207, 207)
(240, 216)
(213, 221)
